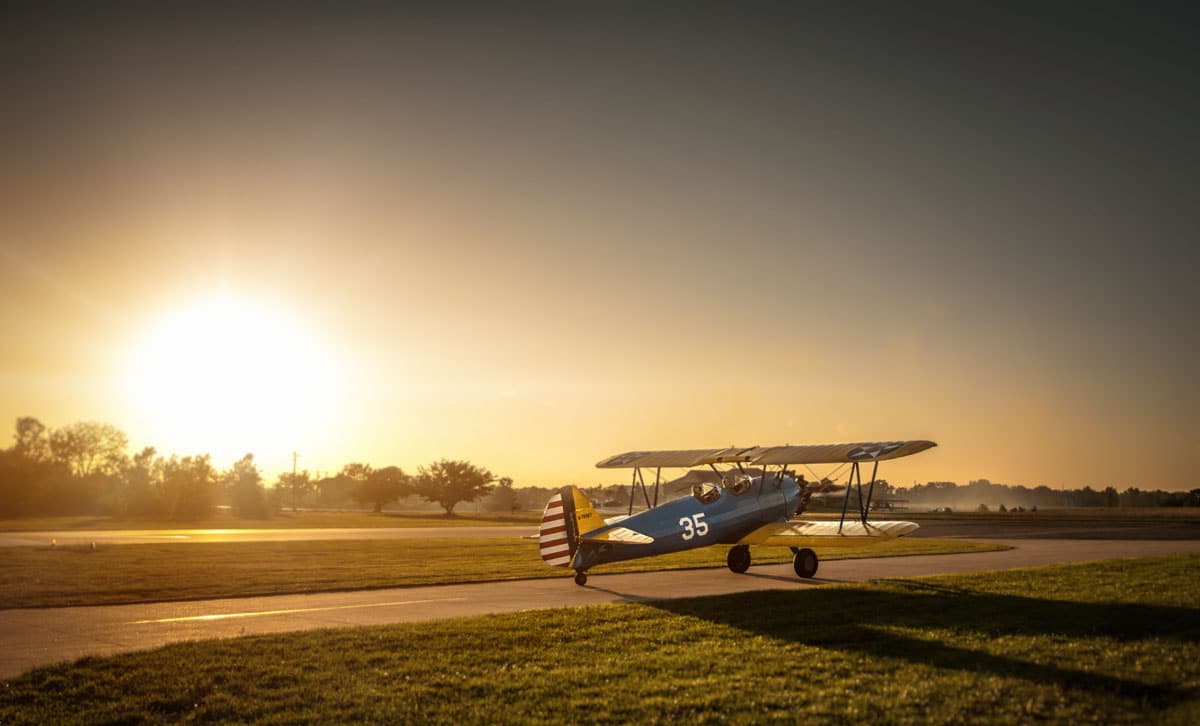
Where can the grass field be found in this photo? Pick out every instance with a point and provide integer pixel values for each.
(1113, 642)
(40, 577)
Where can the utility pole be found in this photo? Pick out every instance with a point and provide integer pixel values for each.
(293, 482)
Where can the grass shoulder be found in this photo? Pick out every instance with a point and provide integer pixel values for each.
(1103, 642)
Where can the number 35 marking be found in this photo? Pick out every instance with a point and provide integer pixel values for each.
(694, 526)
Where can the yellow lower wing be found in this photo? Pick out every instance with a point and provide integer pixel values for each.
(826, 534)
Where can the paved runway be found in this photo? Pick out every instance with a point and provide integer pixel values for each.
(35, 637)
(1164, 527)
(148, 536)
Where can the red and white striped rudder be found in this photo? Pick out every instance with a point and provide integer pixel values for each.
(554, 539)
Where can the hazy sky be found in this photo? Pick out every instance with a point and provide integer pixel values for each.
(535, 236)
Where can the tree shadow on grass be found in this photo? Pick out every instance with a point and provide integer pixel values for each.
(852, 620)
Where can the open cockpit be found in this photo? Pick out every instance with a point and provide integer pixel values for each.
(706, 492)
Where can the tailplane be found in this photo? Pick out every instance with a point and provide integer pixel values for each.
(568, 515)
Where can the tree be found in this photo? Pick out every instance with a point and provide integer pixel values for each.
(504, 497)
(244, 482)
(17, 484)
(89, 447)
(615, 495)
(450, 482)
(141, 480)
(357, 474)
(295, 485)
(189, 487)
(32, 442)
(333, 491)
(381, 486)
(27, 478)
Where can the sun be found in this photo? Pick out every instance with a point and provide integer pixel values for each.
(228, 375)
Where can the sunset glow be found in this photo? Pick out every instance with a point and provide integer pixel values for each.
(228, 375)
(536, 242)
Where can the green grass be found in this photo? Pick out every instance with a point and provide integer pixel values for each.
(40, 577)
(1112, 642)
(283, 520)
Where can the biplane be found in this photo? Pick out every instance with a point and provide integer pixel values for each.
(754, 499)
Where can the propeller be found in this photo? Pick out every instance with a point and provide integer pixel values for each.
(808, 489)
(824, 487)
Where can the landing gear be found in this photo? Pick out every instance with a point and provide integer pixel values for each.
(580, 578)
(738, 558)
(804, 562)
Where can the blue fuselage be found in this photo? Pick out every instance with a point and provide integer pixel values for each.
(690, 522)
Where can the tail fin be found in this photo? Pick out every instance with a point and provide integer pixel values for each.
(568, 515)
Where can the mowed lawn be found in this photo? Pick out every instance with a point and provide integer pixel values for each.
(44, 576)
(1108, 642)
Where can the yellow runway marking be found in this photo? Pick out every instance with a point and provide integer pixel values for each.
(260, 613)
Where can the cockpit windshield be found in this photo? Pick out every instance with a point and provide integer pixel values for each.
(707, 492)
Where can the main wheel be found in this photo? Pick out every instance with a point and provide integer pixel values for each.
(804, 562)
(580, 578)
(738, 558)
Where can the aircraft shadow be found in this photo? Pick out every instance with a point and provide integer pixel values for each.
(854, 621)
(624, 596)
(793, 580)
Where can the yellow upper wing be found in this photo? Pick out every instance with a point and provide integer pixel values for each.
(764, 455)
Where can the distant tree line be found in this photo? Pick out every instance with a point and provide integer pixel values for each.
(991, 494)
(85, 469)
(446, 483)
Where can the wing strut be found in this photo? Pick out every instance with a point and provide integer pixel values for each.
(846, 499)
(864, 505)
(639, 481)
(866, 508)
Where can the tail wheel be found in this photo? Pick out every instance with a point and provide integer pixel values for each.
(804, 562)
(738, 558)
(580, 578)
